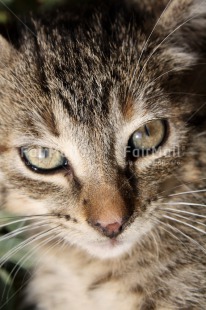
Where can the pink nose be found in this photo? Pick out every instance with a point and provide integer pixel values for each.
(109, 230)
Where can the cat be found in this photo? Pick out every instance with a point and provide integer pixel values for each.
(102, 153)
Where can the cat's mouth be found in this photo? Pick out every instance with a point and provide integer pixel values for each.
(109, 243)
(110, 248)
(114, 242)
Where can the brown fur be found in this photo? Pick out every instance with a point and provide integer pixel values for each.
(128, 109)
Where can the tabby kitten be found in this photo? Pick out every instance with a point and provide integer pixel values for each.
(102, 151)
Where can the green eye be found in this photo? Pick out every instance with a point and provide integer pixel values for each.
(148, 138)
(42, 159)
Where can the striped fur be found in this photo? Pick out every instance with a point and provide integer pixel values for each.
(82, 83)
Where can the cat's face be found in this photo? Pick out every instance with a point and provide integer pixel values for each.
(95, 129)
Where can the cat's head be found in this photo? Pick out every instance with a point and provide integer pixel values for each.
(99, 115)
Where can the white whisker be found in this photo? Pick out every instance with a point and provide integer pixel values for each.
(196, 195)
(159, 76)
(201, 134)
(200, 108)
(186, 218)
(186, 224)
(23, 229)
(25, 258)
(185, 212)
(22, 219)
(12, 12)
(156, 244)
(186, 236)
(188, 192)
(23, 244)
(147, 41)
(158, 46)
(167, 225)
(185, 184)
(183, 203)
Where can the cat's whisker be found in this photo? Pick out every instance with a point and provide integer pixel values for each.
(183, 212)
(174, 228)
(186, 218)
(196, 195)
(23, 229)
(159, 76)
(194, 113)
(175, 93)
(29, 254)
(146, 44)
(25, 243)
(58, 233)
(184, 203)
(21, 219)
(185, 184)
(12, 12)
(186, 224)
(25, 258)
(160, 44)
(168, 226)
(156, 244)
(188, 192)
(201, 134)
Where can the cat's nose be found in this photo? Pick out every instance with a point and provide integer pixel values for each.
(110, 230)
(106, 209)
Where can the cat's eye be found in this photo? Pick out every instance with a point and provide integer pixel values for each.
(148, 138)
(42, 159)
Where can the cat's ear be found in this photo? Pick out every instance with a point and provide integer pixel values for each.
(184, 20)
(183, 24)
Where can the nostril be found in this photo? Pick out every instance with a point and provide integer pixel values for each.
(98, 224)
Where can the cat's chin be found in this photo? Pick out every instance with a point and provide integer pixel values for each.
(108, 249)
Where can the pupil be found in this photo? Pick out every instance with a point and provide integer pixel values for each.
(43, 153)
(147, 131)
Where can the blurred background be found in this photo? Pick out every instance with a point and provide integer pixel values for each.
(15, 266)
(10, 8)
